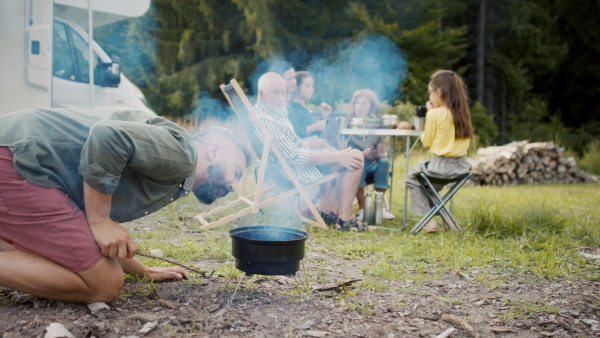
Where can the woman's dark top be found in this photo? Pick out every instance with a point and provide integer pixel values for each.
(301, 117)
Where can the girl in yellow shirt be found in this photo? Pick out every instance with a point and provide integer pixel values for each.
(448, 131)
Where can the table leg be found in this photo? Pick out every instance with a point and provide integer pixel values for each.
(392, 172)
(405, 186)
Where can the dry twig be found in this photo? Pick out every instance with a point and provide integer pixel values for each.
(457, 321)
(446, 333)
(338, 285)
(202, 273)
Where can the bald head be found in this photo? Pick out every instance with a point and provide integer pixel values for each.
(272, 92)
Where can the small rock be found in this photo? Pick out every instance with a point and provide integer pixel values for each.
(312, 333)
(147, 327)
(590, 321)
(547, 334)
(57, 330)
(156, 253)
(98, 306)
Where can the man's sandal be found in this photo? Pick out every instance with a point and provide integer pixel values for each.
(353, 223)
(329, 218)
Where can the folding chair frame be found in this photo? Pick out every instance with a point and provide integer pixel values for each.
(254, 200)
(438, 202)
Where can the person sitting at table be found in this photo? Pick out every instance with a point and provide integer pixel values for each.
(448, 132)
(301, 117)
(365, 104)
(271, 109)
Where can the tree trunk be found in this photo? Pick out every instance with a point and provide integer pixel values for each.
(503, 114)
(481, 52)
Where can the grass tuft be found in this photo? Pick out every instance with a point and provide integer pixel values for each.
(496, 220)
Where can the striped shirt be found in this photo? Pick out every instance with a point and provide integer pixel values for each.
(291, 146)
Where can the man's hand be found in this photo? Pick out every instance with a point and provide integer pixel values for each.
(370, 153)
(325, 110)
(113, 240)
(349, 159)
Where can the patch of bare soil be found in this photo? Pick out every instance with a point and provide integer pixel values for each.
(272, 306)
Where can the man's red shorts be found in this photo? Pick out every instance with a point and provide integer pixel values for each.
(43, 221)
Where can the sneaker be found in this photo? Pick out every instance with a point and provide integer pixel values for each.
(361, 215)
(387, 215)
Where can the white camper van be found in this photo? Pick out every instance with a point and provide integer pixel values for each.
(46, 51)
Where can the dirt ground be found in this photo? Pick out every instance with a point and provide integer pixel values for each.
(273, 306)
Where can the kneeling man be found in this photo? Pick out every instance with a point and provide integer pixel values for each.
(67, 177)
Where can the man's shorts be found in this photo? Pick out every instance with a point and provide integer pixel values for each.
(43, 221)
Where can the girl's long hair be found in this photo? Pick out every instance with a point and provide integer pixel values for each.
(456, 97)
(375, 110)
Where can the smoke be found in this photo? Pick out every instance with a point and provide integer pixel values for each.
(375, 62)
(207, 106)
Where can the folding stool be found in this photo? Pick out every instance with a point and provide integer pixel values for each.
(438, 202)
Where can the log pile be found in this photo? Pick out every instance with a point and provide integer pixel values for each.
(526, 163)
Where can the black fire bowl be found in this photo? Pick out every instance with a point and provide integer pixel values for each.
(267, 250)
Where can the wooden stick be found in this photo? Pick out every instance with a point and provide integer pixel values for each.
(339, 285)
(457, 321)
(173, 262)
(446, 333)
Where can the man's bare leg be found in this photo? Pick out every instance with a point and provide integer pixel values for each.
(360, 197)
(350, 179)
(39, 276)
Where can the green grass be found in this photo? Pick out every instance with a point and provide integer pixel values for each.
(517, 232)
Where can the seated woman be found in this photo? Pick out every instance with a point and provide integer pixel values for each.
(302, 117)
(365, 103)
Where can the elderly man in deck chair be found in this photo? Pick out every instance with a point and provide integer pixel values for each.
(309, 161)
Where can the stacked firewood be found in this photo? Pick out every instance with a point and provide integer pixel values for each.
(526, 163)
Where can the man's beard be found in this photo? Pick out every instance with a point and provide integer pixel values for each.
(211, 186)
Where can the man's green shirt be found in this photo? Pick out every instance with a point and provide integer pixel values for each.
(144, 161)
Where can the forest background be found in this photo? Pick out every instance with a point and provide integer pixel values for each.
(532, 66)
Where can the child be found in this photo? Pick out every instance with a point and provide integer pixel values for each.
(365, 103)
(447, 135)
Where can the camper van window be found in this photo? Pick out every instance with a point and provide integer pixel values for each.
(62, 63)
(70, 57)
